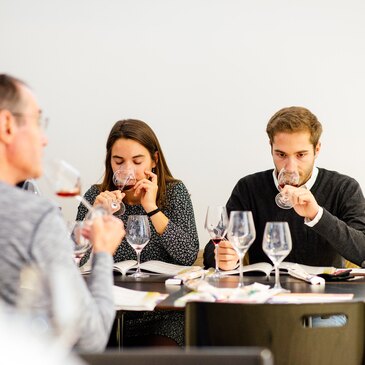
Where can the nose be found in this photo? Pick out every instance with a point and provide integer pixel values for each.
(291, 164)
(129, 165)
(44, 140)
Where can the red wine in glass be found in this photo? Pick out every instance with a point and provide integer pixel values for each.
(65, 180)
(67, 194)
(281, 186)
(124, 179)
(216, 223)
(123, 187)
(128, 187)
(216, 241)
(286, 177)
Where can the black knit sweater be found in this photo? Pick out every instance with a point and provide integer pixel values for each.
(340, 233)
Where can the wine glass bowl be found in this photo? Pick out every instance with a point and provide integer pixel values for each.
(65, 180)
(124, 179)
(216, 223)
(277, 244)
(286, 177)
(81, 244)
(138, 234)
(241, 233)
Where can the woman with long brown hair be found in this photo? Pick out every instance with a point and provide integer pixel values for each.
(174, 239)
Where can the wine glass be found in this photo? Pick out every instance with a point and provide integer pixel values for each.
(286, 177)
(42, 301)
(241, 233)
(138, 234)
(66, 181)
(216, 223)
(31, 185)
(81, 244)
(277, 245)
(124, 179)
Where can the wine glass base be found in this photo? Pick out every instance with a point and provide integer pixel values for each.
(139, 275)
(216, 275)
(240, 286)
(282, 202)
(284, 206)
(280, 289)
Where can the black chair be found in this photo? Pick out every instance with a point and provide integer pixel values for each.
(167, 356)
(283, 328)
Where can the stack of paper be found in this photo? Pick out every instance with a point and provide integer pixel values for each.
(135, 300)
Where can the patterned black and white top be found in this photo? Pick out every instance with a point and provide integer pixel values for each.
(178, 244)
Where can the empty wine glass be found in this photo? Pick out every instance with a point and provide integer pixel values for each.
(81, 244)
(42, 301)
(138, 234)
(124, 179)
(216, 223)
(241, 233)
(277, 245)
(286, 177)
(31, 185)
(66, 181)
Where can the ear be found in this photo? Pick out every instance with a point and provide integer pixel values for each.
(317, 149)
(155, 159)
(7, 126)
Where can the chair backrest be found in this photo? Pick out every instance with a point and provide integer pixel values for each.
(164, 356)
(280, 328)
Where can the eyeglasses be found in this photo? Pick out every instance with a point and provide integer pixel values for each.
(41, 120)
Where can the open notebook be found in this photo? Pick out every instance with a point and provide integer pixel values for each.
(265, 268)
(154, 266)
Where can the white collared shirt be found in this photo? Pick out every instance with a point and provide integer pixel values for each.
(308, 185)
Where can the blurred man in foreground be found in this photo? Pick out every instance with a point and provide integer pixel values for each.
(33, 233)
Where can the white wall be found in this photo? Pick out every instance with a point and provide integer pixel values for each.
(205, 74)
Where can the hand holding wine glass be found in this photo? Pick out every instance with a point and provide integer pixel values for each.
(286, 177)
(241, 233)
(277, 245)
(216, 223)
(124, 179)
(138, 234)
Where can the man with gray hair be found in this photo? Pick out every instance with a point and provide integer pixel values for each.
(32, 230)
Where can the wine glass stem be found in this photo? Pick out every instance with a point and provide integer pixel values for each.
(82, 200)
(216, 258)
(138, 262)
(241, 284)
(277, 278)
(241, 257)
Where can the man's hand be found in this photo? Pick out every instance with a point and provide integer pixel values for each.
(303, 201)
(227, 256)
(106, 234)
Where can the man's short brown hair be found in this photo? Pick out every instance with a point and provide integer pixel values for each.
(294, 119)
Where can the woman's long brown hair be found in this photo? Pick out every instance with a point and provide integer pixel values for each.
(140, 132)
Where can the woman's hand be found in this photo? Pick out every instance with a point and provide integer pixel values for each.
(147, 190)
(106, 198)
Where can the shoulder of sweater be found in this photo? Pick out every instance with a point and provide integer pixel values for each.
(11, 198)
(176, 185)
(333, 176)
(93, 190)
(257, 176)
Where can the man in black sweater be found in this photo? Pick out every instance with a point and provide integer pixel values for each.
(327, 222)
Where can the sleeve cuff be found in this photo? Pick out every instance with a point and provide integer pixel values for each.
(315, 220)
